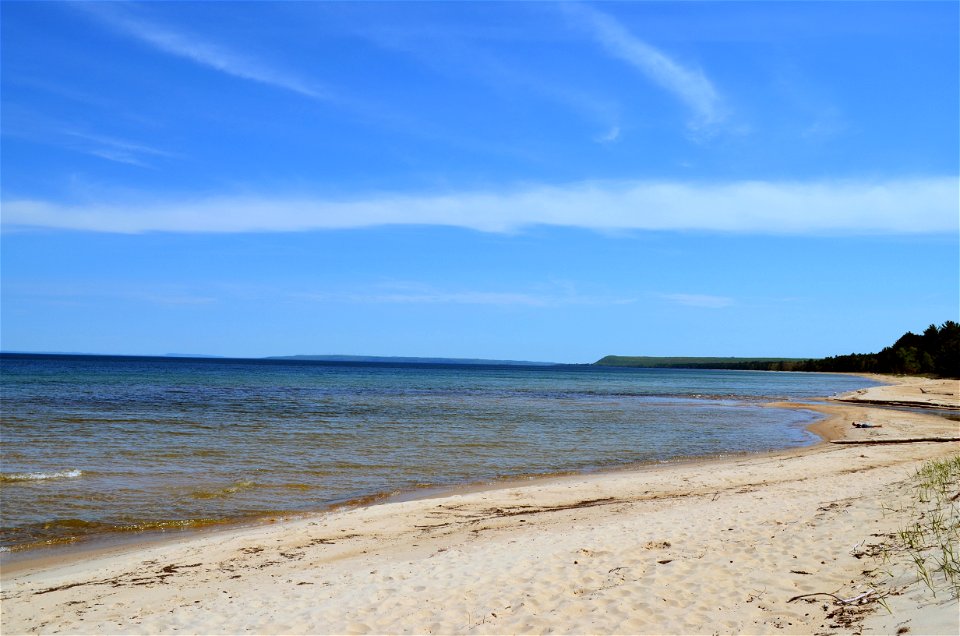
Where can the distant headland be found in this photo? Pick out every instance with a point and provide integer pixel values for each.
(934, 352)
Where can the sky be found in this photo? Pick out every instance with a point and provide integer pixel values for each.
(530, 181)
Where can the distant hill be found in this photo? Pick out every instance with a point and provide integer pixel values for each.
(654, 362)
(411, 360)
(305, 358)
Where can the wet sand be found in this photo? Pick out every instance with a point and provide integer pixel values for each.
(703, 547)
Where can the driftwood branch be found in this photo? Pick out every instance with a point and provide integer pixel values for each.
(797, 598)
(913, 405)
(849, 601)
(840, 601)
(899, 440)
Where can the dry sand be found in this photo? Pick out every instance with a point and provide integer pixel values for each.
(705, 547)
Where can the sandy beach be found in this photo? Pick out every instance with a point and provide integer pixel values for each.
(718, 546)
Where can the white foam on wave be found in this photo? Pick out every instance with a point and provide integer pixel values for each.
(62, 474)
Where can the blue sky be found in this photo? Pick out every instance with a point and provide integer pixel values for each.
(529, 181)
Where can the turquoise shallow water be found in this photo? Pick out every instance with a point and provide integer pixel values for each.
(92, 445)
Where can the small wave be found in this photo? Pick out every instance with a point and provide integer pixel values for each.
(62, 474)
(66, 531)
(295, 486)
(223, 492)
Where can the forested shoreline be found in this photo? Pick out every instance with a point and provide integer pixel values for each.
(936, 351)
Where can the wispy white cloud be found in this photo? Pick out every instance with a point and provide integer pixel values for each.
(435, 297)
(26, 124)
(204, 53)
(224, 59)
(547, 295)
(690, 85)
(455, 54)
(119, 144)
(175, 301)
(425, 294)
(699, 300)
(608, 137)
(114, 149)
(117, 157)
(921, 205)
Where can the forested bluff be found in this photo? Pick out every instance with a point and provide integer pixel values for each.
(934, 352)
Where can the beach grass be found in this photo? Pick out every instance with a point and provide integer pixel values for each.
(932, 539)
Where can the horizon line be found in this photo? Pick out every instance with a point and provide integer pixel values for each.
(399, 359)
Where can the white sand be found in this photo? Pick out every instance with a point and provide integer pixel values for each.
(717, 546)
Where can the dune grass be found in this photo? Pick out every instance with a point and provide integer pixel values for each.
(932, 540)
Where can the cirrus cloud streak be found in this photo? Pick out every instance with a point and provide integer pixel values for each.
(905, 206)
(688, 84)
(191, 47)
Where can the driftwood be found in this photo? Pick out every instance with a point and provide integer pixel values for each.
(840, 601)
(896, 440)
(906, 403)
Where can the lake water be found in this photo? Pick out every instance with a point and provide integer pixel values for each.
(93, 445)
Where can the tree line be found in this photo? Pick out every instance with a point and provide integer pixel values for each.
(934, 352)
